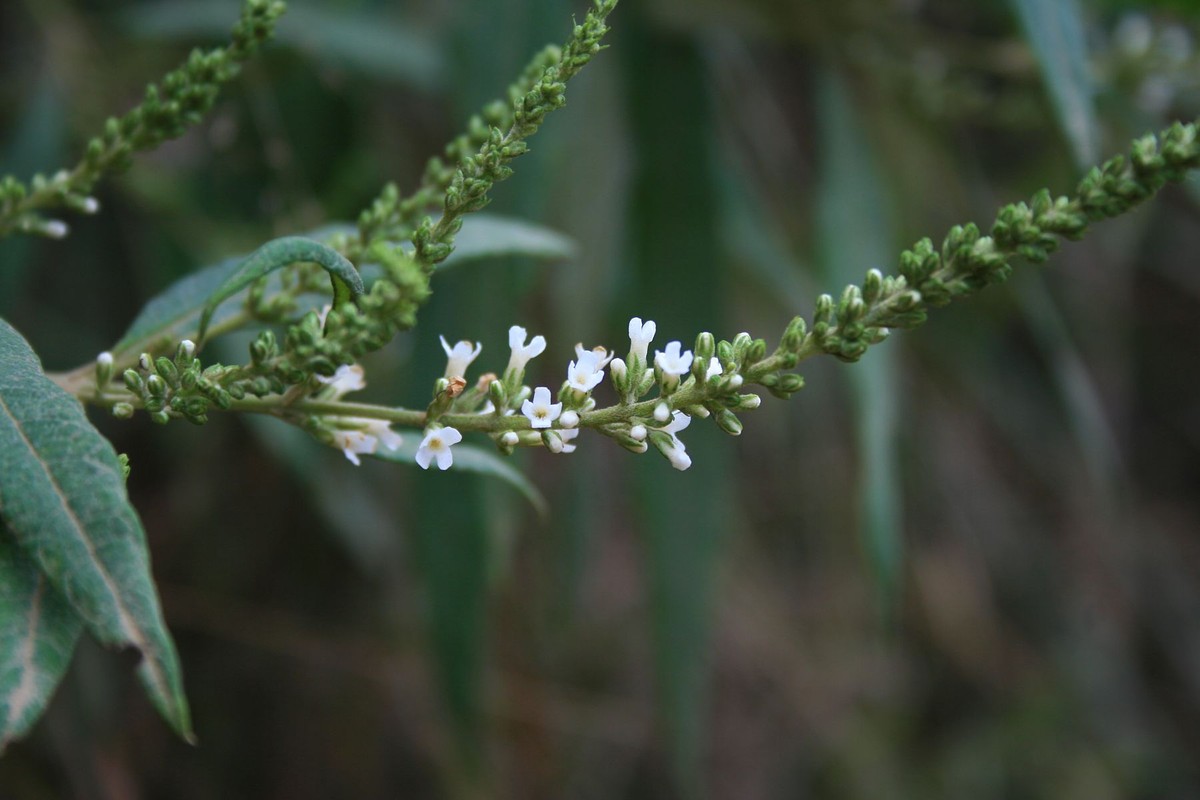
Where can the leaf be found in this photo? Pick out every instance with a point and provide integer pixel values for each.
(683, 517)
(493, 236)
(174, 314)
(372, 45)
(1055, 30)
(854, 235)
(469, 458)
(63, 498)
(38, 631)
(277, 254)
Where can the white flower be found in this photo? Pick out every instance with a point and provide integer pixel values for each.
(587, 370)
(638, 433)
(510, 438)
(640, 335)
(540, 410)
(671, 361)
(347, 378)
(459, 357)
(566, 437)
(363, 436)
(569, 419)
(521, 352)
(437, 442)
(105, 359)
(714, 368)
(676, 453)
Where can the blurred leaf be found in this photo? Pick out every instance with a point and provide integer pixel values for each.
(365, 526)
(469, 458)
(62, 495)
(38, 632)
(372, 45)
(491, 236)
(854, 235)
(280, 253)
(676, 251)
(1056, 32)
(451, 547)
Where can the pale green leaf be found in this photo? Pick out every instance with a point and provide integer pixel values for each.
(854, 235)
(373, 45)
(63, 498)
(1055, 31)
(277, 254)
(38, 631)
(492, 236)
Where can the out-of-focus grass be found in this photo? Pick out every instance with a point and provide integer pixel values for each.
(714, 632)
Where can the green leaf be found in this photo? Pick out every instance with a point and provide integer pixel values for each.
(469, 458)
(63, 498)
(1055, 30)
(38, 632)
(854, 235)
(683, 517)
(174, 314)
(372, 45)
(492, 236)
(280, 253)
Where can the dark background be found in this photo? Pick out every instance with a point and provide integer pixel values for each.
(967, 567)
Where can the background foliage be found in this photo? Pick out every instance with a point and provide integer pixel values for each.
(967, 566)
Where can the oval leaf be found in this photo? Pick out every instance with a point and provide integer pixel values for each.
(62, 496)
(38, 632)
(280, 253)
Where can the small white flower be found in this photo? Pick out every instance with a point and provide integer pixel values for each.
(566, 437)
(437, 443)
(521, 352)
(640, 335)
(105, 359)
(347, 378)
(677, 453)
(188, 347)
(671, 361)
(510, 438)
(569, 419)
(662, 412)
(587, 370)
(459, 357)
(363, 436)
(540, 410)
(54, 228)
(714, 368)
(638, 433)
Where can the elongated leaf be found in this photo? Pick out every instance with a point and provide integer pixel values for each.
(854, 235)
(469, 458)
(1055, 31)
(174, 314)
(38, 631)
(278, 254)
(62, 496)
(683, 517)
(372, 45)
(491, 236)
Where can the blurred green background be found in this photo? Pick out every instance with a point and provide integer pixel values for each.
(968, 566)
